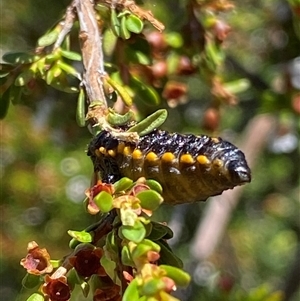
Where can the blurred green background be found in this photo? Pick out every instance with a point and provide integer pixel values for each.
(45, 170)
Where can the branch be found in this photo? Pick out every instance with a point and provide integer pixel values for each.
(219, 210)
(136, 10)
(66, 25)
(92, 53)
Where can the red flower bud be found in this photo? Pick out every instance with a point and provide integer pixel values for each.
(87, 262)
(57, 289)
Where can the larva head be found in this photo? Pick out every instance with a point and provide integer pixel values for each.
(239, 172)
(235, 166)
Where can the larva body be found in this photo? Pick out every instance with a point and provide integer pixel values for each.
(189, 168)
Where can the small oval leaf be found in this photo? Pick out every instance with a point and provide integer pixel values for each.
(131, 292)
(121, 91)
(167, 256)
(180, 277)
(81, 236)
(150, 199)
(104, 201)
(68, 69)
(48, 38)
(71, 55)
(154, 185)
(30, 281)
(126, 257)
(117, 119)
(19, 58)
(150, 123)
(115, 23)
(124, 32)
(24, 77)
(152, 287)
(135, 233)
(36, 297)
(134, 24)
(123, 184)
(80, 110)
(144, 92)
(160, 231)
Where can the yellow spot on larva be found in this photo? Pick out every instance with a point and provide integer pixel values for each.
(168, 157)
(203, 160)
(215, 140)
(137, 154)
(111, 152)
(151, 156)
(102, 150)
(97, 153)
(187, 158)
(120, 148)
(127, 151)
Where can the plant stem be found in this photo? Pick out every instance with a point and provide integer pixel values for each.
(92, 52)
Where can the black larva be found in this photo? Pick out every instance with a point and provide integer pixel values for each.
(189, 168)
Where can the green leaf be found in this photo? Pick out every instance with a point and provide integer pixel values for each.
(71, 55)
(104, 201)
(117, 119)
(4, 103)
(180, 277)
(144, 247)
(30, 281)
(150, 123)
(134, 24)
(55, 263)
(24, 77)
(81, 236)
(15, 94)
(85, 288)
(36, 297)
(135, 233)
(152, 287)
(80, 110)
(150, 199)
(73, 278)
(237, 86)
(115, 23)
(109, 266)
(109, 42)
(73, 243)
(131, 292)
(121, 91)
(111, 243)
(68, 69)
(167, 256)
(126, 257)
(160, 231)
(123, 184)
(124, 32)
(48, 38)
(154, 185)
(19, 58)
(60, 83)
(144, 92)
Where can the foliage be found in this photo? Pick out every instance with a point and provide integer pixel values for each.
(142, 65)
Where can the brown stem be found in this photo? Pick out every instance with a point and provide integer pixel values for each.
(92, 53)
(66, 24)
